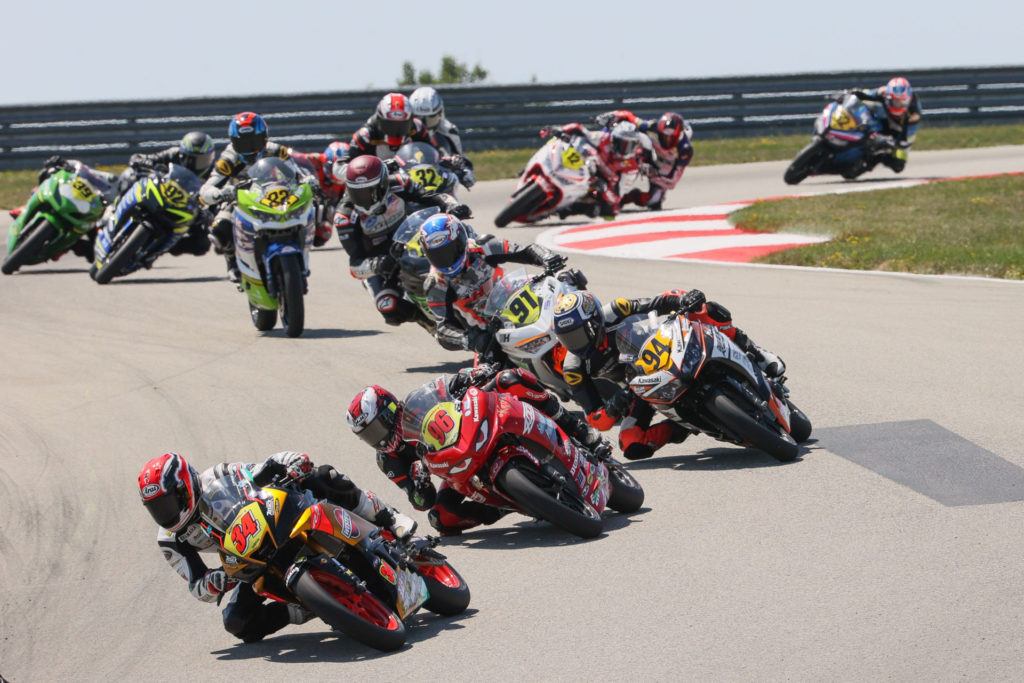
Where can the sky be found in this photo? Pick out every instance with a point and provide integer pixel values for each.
(145, 50)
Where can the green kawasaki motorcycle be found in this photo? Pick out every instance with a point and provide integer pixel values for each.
(63, 208)
(274, 228)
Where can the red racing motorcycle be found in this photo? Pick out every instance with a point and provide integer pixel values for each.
(495, 449)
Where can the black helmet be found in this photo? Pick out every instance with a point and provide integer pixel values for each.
(197, 149)
(579, 322)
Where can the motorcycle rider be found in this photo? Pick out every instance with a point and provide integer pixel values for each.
(248, 144)
(171, 490)
(195, 151)
(373, 206)
(616, 153)
(670, 152)
(428, 107)
(587, 330)
(375, 416)
(896, 106)
(331, 187)
(391, 126)
(462, 272)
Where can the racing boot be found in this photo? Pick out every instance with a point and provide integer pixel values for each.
(298, 615)
(638, 443)
(578, 429)
(771, 365)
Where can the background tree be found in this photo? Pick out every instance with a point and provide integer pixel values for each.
(451, 71)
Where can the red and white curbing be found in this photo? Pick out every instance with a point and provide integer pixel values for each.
(701, 233)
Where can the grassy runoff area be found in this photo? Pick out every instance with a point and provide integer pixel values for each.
(965, 226)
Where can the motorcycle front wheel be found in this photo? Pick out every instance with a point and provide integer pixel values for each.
(521, 205)
(31, 247)
(535, 493)
(804, 163)
(351, 609)
(449, 594)
(744, 425)
(129, 249)
(290, 294)
(626, 493)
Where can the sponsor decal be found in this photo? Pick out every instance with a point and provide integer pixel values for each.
(529, 418)
(150, 491)
(566, 302)
(386, 303)
(345, 520)
(223, 167)
(623, 307)
(565, 322)
(572, 378)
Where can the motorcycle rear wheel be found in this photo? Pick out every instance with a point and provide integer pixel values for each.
(626, 493)
(356, 612)
(804, 163)
(521, 205)
(263, 319)
(570, 512)
(122, 256)
(449, 594)
(726, 410)
(31, 247)
(290, 294)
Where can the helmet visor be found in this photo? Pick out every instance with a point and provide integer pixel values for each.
(576, 341)
(166, 509)
(432, 121)
(367, 197)
(199, 162)
(448, 258)
(377, 433)
(249, 143)
(623, 146)
(396, 128)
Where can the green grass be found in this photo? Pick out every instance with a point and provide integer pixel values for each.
(961, 227)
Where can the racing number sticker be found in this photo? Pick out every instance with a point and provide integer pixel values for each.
(278, 198)
(655, 355)
(428, 177)
(523, 308)
(246, 533)
(441, 426)
(841, 120)
(173, 193)
(81, 189)
(571, 158)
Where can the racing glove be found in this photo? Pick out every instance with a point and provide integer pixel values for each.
(293, 464)
(216, 582)
(455, 162)
(461, 211)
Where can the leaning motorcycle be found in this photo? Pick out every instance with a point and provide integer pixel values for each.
(521, 311)
(497, 450)
(699, 378)
(347, 571)
(150, 218)
(62, 209)
(558, 176)
(845, 133)
(274, 228)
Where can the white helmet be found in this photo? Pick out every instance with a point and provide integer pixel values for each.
(427, 105)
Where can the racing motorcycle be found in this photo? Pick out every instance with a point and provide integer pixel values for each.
(521, 311)
(274, 229)
(151, 217)
(347, 571)
(845, 133)
(558, 176)
(494, 449)
(422, 161)
(62, 209)
(698, 377)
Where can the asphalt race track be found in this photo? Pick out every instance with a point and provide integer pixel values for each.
(892, 549)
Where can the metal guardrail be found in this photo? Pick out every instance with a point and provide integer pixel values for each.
(498, 117)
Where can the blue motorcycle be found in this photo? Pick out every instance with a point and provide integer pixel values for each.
(847, 138)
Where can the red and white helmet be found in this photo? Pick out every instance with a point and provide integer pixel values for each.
(898, 94)
(375, 415)
(672, 128)
(170, 490)
(366, 183)
(394, 116)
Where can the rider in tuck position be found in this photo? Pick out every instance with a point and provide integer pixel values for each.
(375, 415)
(171, 490)
(587, 330)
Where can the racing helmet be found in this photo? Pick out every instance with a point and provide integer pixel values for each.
(428, 106)
(444, 239)
(170, 490)
(625, 138)
(671, 129)
(394, 116)
(375, 416)
(579, 322)
(898, 94)
(248, 133)
(335, 151)
(366, 183)
(197, 149)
